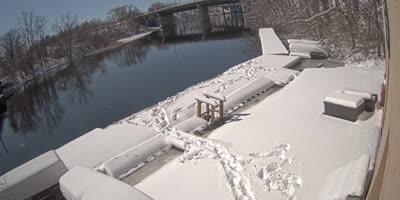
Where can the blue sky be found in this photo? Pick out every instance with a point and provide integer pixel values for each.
(51, 9)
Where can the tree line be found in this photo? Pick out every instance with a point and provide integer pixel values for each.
(343, 24)
(33, 47)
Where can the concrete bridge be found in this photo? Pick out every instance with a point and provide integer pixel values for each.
(230, 11)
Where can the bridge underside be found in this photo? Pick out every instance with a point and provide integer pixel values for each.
(199, 17)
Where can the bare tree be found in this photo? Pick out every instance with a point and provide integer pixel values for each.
(122, 13)
(159, 5)
(11, 49)
(341, 23)
(66, 28)
(33, 28)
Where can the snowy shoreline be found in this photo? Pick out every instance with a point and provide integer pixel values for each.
(61, 64)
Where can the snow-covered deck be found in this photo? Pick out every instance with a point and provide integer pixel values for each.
(285, 140)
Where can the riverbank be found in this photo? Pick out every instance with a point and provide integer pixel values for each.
(57, 65)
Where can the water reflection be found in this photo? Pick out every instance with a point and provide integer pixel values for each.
(35, 104)
(132, 54)
(2, 119)
(102, 89)
(39, 103)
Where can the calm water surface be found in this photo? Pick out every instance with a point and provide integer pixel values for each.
(106, 88)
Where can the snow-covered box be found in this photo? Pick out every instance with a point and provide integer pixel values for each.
(344, 106)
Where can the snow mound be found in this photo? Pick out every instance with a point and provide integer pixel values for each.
(348, 181)
(132, 159)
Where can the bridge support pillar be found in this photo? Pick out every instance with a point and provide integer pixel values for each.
(167, 25)
(205, 22)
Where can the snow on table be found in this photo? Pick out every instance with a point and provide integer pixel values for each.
(282, 148)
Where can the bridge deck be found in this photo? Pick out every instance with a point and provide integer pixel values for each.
(187, 6)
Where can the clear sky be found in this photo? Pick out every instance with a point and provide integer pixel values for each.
(51, 9)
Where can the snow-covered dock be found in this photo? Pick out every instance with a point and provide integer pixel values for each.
(281, 148)
(284, 147)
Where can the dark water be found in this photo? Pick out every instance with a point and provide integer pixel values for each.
(106, 88)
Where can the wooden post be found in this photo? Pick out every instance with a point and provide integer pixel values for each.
(208, 109)
(198, 108)
(221, 110)
(212, 114)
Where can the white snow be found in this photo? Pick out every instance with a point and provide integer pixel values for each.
(177, 109)
(136, 157)
(306, 48)
(32, 177)
(290, 41)
(136, 37)
(344, 99)
(294, 115)
(364, 95)
(247, 91)
(192, 124)
(206, 100)
(216, 96)
(282, 148)
(86, 184)
(300, 54)
(99, 145)
(347, 182)
(271, 44)
(282, 77)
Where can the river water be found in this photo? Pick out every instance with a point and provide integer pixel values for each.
(103, 89)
